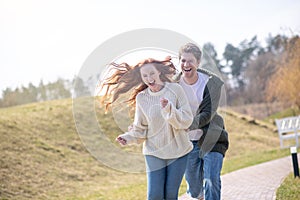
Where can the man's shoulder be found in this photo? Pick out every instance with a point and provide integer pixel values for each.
(212, 76)
(205, 72)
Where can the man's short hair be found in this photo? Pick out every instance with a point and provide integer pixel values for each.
(191, 48)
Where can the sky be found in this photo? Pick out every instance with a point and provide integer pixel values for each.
(48, 39)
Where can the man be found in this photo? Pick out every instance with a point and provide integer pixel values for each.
(207, 132)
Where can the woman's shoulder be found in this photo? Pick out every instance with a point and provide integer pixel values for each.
(141, 94)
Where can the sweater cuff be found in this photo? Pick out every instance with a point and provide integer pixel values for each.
(128, 137)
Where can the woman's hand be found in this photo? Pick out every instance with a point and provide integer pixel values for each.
(163, 102)
(121, 140)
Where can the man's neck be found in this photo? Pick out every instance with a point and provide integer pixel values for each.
(191, 80)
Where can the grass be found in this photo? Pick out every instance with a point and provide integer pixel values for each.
(250, 143)
(44, 157)
(289, 189)
(285, 113)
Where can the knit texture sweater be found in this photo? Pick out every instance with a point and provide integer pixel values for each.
(162, 129)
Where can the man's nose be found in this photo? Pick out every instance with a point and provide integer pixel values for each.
(185, 63)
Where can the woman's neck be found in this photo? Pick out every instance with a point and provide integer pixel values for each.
(158, 88)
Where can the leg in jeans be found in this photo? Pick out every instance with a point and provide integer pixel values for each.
(212, 170)
(175, 172)
(156, 173)
(194, 173)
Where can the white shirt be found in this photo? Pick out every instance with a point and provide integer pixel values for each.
(194, 93)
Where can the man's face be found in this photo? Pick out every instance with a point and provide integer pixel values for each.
(189, 65)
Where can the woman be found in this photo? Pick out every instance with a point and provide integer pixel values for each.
(162, 114)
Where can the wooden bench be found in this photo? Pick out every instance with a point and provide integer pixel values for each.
(288, 129)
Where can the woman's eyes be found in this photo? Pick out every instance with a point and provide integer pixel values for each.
(151, 73)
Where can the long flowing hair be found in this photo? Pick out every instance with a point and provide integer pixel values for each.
(121, 78)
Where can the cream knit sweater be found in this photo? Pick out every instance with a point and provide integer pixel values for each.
(162, 129)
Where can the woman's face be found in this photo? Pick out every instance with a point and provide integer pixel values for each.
(150, 76)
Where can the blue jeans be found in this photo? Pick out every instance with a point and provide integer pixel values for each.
(164, 177)
(203, 174)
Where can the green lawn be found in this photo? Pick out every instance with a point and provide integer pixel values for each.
(289, 189)
(43, 157)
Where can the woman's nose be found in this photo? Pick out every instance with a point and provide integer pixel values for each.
(150, 79)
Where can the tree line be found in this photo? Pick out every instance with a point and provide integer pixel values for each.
(252, 73)
(257, 74)
(59, 89)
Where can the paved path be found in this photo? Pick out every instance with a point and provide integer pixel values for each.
(258, 182)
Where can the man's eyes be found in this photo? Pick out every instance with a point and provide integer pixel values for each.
(188, 61)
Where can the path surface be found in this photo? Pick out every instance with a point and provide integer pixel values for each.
(258, 182)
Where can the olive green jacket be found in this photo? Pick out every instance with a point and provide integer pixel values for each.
(215, 137)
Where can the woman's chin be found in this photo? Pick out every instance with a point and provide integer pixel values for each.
(151, 88)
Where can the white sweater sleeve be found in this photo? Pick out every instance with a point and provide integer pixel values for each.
(180, 116)
(139, 131)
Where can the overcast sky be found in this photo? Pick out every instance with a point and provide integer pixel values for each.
(47, 39)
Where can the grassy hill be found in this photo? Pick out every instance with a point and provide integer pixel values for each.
(42, 156)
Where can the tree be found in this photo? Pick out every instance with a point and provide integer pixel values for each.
(237, 59)
(80, 88)
(257, 75)
(261, 67)
(56, 90)
(276, 45)
(8, 98)
(61, 90)
(42, 93)
(284, 84)
(210, 56)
